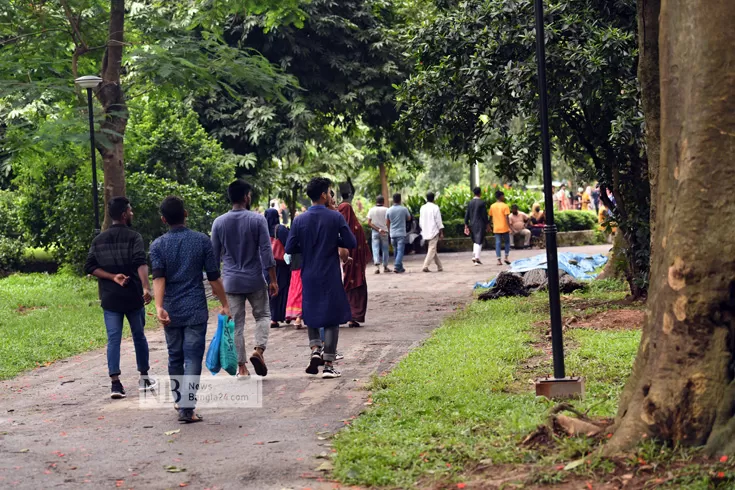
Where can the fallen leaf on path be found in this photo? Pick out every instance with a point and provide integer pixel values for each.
(574, 464)
(723, 459)
(461, 485)
(183, 484)
(24, 450)
(323, 455)
(172, 432)
(325, 466)
(174, 469)
(119, 483)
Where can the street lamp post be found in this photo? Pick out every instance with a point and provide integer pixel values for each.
(90, 82)
(559, 385)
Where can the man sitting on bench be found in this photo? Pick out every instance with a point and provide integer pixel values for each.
(518, 226)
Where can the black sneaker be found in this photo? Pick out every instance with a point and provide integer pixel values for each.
(329, 372)
(117, 391)
(315, 361)
(147, 383)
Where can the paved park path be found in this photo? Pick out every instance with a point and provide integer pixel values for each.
(59, 429)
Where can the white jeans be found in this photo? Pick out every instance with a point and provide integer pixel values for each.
(476, 249)
(262, 313)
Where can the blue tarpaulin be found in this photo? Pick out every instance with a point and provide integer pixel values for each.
(582, 270)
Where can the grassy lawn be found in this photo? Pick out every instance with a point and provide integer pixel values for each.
(465, 399)
(44, 318)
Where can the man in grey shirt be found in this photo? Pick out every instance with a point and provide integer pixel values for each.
(396, 218)
(240, 239)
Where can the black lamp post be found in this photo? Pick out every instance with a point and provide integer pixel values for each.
(90, 82)
(560, 385)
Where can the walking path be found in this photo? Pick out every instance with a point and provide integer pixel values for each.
(58, 427)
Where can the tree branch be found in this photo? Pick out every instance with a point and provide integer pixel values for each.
(30, 34)
(79, 40)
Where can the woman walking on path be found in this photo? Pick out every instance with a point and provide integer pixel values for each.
(294, 310)
(279, 236)
(355, 282)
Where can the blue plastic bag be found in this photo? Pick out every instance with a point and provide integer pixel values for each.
(213, 354)
(227, 350)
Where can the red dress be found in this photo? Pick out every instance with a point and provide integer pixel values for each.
(294, 309)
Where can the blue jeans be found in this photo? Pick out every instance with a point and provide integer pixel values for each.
(380, 244)
(399, 245)
(114, 326)
(498, 237)
(185, 355)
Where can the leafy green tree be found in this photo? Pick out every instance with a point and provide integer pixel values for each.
(474, 91)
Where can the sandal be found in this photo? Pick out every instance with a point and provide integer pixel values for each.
(354, 325)
(275, 325)
(188, 416)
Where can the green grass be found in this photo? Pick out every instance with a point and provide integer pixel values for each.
(464, 396)
(44, 318)
(38, 255)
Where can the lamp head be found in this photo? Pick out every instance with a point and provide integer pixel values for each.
(88, 81)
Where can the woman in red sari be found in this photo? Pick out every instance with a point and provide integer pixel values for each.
(355, 282)
(294, 311)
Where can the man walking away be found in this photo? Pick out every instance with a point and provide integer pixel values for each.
(501, 225)
(519, 225)
(178, 259)
(317, 235)
(240, 239)
(475, 223)
(377, 221)
(396, 218)
(117, 258)
(432, 229)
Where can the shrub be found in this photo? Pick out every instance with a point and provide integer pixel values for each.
(10, 224)
(11, 254)
(575, 220)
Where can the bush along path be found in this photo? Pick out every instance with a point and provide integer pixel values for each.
(460, 412)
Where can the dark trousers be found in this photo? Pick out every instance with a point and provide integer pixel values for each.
(331, 336)
(186, 346)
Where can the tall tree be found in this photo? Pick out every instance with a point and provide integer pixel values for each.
(682, 389)
(474, 91)
(45, 45)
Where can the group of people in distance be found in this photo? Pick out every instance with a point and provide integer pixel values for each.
(328, 255)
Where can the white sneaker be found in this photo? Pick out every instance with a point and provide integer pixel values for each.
(329, 372)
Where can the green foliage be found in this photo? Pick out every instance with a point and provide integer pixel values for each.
(454, 199)
(475, 85)
(165, 139)
(11, 254)
(575, 220)
(10, 224)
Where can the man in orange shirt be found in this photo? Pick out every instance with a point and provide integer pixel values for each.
(501, 225)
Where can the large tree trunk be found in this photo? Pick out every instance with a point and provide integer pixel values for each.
(682, 388)
(110, 95)
(384, 181)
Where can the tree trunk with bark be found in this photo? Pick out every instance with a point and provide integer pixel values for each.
(112, 98)
(384, 181)
(683, 384)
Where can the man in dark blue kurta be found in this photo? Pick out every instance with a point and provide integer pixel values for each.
(317, 235)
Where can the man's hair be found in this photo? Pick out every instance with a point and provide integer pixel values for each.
(499, 194)
(430, 197)
(117, 206)
(477, 191)
(380, 200)
(238, 191)
(515, 206)
(397, 198)
(172, 208)
(316, 187)
(345, 196)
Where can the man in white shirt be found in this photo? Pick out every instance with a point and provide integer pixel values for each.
(432, 230)
(377, 221)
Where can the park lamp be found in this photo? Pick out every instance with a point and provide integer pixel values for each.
(90, 82)
(560, 386)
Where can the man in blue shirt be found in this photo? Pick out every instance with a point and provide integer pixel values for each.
(240, 238)
(396, 218)
(317, 235)
(178, 259)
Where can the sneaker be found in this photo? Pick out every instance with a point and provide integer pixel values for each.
(399, 271)
(146, 383)
(330, 372)
(338, 356)
(258, 362)
(425, 269)
(387, 269)
(507, 261)
(315, 361)
(117, 391)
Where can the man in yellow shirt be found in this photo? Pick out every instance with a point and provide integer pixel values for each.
(499, 213)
